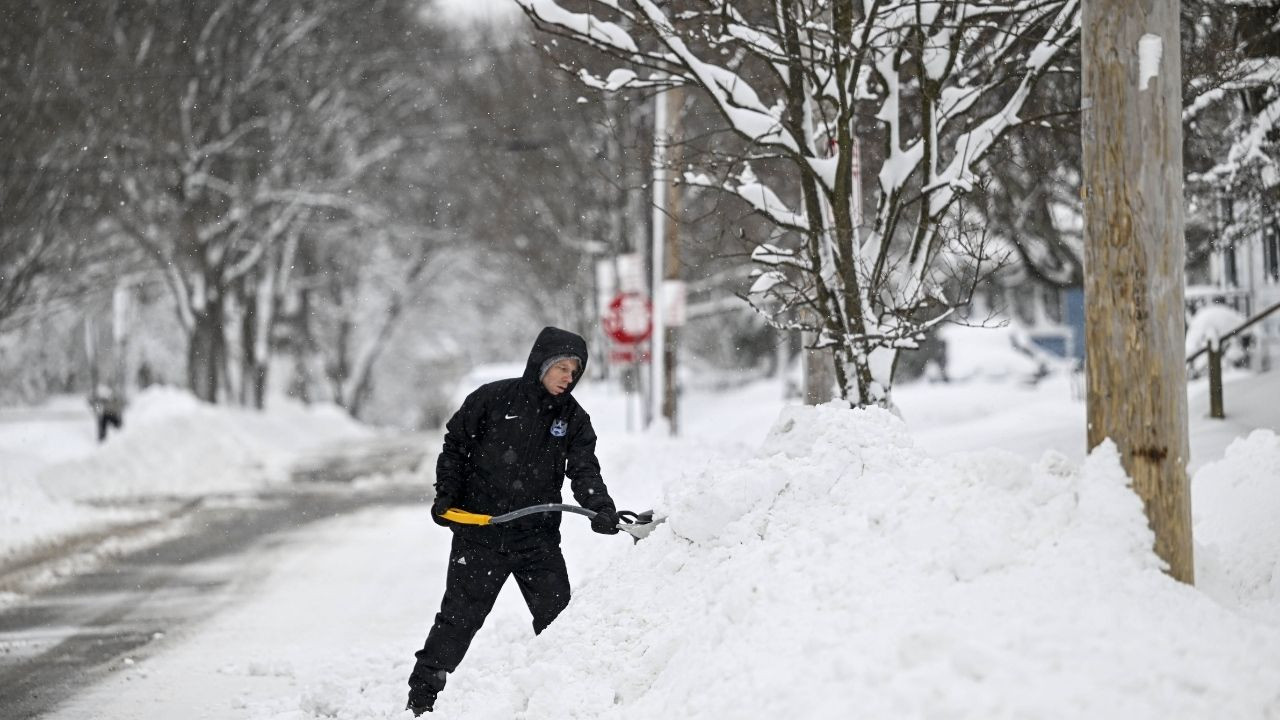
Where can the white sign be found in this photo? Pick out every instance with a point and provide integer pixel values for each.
(631, 275)
(675, 311)
(606, 282)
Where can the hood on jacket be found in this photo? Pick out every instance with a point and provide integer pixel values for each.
(552, 342)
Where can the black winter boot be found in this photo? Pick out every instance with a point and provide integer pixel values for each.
(424, 686)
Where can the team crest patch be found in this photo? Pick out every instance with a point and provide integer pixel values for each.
(559, 428)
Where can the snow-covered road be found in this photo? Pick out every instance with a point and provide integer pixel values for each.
(348, 597)
(58, 642)
(323, 596)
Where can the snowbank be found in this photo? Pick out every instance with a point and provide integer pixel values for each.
(1236, 502)
(832, 569)
(171, 446)
(1000, 352)
(175, 445)
(841, 571)
(29, 516)
(1210, 324)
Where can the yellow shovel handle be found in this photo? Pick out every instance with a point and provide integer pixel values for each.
(464, 517)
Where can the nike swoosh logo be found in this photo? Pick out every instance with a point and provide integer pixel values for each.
(510, 417)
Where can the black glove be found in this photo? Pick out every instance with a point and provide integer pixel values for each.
(605, 521)
(442, 503)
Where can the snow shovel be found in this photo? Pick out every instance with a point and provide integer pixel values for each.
(637, 525)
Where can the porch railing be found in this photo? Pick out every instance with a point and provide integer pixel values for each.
(1214, 349)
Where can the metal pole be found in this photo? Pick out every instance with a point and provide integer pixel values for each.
(674, 99)
(657, 351)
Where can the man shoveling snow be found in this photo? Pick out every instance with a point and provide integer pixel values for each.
(509, 446)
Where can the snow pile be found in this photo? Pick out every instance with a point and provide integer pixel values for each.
(171, 445)
(841, 570)
(33, 438)
(30, 516)
(1210, 324)
(1236, 501)
(832, 570)
(175, 445)
(999, 352)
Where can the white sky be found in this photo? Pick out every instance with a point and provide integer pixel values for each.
(465, 11)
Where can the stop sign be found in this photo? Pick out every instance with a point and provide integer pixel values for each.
(629, 319)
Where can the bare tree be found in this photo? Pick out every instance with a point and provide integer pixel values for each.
(560, 172)
(361, 134)
(1231, 54)
(1232, 117)
(46, 169)
(234, 124)
(359, 273)
(797, 82)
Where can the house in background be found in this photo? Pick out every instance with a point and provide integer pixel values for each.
(1233, 261)
(1244, 274)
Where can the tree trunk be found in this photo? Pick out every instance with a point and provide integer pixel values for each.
(206, 351)
(258, 381)
(819, 374)
(339, 369)
(1134, 257)
(248, 318)
(253, 363)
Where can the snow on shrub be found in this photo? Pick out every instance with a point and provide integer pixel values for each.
(1207, 327)
(1210, 324)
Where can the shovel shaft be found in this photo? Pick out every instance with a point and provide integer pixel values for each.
(469, 518)
(548, 507)
(637, 525)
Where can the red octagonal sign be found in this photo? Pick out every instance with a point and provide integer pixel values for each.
(629, 319)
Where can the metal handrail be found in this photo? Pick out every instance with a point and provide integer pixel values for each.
(1243, 326)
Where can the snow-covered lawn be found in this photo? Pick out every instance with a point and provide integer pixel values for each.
(817, 563)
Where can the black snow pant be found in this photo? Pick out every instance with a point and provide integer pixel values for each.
(476, 574)
(105, 419)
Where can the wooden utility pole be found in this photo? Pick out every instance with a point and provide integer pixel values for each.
(1132, 185)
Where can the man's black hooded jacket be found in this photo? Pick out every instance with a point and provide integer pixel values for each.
(512, 443)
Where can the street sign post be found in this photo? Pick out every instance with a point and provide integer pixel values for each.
(629, 318)
(628, 321)
(628, 354)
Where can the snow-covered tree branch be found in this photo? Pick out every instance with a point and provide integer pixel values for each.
(913, 93)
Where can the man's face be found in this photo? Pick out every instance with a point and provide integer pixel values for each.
(560, 376)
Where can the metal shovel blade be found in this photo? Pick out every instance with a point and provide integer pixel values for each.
(640, 528)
